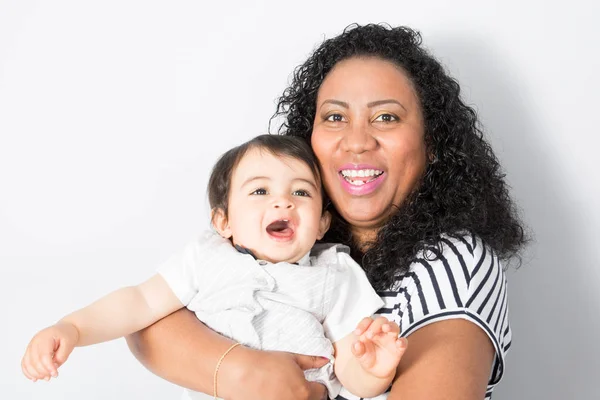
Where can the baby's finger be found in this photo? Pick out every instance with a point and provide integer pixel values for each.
(44, 351)
(25, 370)
(375, 327)
(401, 345)
(49, 364)
(390, 327)
(358, 349)
(37, 364)
(62, 353)
(27, 366)
(32, 367)
(363, 325)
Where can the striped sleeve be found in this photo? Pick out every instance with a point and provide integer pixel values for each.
(464, 280)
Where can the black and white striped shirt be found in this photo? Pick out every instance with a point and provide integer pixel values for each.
(465, 280)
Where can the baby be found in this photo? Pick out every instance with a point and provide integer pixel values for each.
(260, 280)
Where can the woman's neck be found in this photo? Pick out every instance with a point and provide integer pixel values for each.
(364, 238)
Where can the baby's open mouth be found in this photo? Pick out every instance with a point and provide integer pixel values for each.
(280, 229)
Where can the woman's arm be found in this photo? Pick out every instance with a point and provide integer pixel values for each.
(450, 359)
(180, 349)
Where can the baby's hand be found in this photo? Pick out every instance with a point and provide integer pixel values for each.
(379, 349)
(48, 350)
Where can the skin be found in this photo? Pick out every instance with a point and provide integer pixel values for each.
(266, 189)
(369, 118)
(288, 192)
(450, 359)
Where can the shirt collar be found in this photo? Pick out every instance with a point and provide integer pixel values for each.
(304, 261)
(244, 250)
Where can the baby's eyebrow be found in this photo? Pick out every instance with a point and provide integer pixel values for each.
(310, 182)
(255, 178)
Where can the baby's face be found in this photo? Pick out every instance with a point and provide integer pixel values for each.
(275, 207)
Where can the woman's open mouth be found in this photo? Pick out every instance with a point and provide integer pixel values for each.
(359, 177)
(360, 181)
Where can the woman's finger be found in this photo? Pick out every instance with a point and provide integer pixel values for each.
(317, 390)
(309, 362)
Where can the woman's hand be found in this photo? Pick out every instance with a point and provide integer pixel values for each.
(182, 350)
(270, 375)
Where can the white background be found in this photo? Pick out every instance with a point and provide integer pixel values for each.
(112, 114)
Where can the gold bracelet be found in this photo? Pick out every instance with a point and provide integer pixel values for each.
(233, 346)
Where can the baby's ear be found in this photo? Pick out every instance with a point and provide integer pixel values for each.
(220, 222)
(324, 224)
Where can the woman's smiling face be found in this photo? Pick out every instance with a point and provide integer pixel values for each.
(368, 135)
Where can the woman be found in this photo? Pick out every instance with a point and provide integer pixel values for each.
(418, 195)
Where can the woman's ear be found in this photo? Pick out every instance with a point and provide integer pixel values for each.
(220, 222)
(324, 224)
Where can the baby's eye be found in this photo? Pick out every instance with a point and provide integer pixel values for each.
(301, 192)
(335, 118)
(259, 192)
(386, 118)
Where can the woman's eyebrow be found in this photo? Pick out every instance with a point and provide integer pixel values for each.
(386, 101)
(370, 105)
(336, 102)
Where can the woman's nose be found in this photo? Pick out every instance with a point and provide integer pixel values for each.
(358, 138)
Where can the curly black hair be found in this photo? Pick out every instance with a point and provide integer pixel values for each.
(462, 191)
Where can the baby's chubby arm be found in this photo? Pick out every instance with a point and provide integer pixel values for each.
(366, 360)
(117, 314)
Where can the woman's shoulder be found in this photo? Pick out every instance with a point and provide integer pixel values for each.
(459, 258)
(458, 272)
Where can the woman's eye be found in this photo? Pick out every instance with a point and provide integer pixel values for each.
(259, 192)
(301, 192)
(386, 118)
(335, 118)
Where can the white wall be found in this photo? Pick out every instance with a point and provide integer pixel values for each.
(112, 113)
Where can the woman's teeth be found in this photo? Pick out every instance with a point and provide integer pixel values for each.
(360, 173)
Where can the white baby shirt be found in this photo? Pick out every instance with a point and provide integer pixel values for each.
(286, 307)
